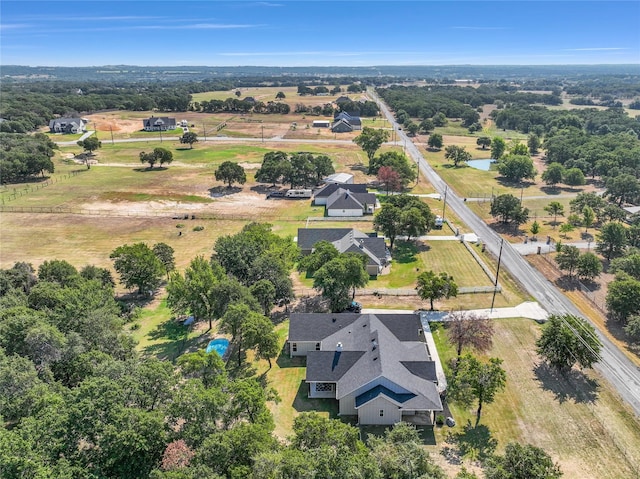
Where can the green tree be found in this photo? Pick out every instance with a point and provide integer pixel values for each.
(457, 154)
(337, 278)
(265, 292)
(535, 229)
(567, 258)
(158, 155)
(165, 254)
(518, 149)
(57, 271)
(435, 141)
(589, 266)
(567, 340)
(411, 128)
(623, 188)
(208, 368)
(588, 217)
(399, 454)
(193, 292)
(323, 252)
(623, 297)
(388, 220)
(566, 228)
(137, 266)
(434, 286)
(484, 142)
(573, 177)
(522, 462)
(553, 174)
(322, 166)
(498, 147)
(629, 264)
(189, 138)
(426, 125)
(592, 200)
(534, 144)
(90, 145)
(440, 119)
(516, 168)
(280, 95)
(508, 208)
(612, 240)
(632, 329)
(370, 140)
(477, 380)
(396, 160)
(273, 167)
(245, 326)
(231, 172)
(555, 208)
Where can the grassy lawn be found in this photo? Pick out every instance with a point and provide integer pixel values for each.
(162, 336)
(576, 418)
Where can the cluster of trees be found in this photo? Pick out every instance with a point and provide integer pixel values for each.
(455, 101)
(508, 209)
(24, 156)
(336, 275)
(158, 155)
(236, 105)
(316, 110)
(297, 169)
(142, 267)
(403, 215)
(586, 265)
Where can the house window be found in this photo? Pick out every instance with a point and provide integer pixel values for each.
(294, 347)
(324, 387)
(317, 346)
(381, 412)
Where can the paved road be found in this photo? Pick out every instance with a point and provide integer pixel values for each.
(613, 365)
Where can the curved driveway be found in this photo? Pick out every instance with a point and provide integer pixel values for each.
(613, 364)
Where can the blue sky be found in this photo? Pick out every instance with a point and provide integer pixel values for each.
(325, 33)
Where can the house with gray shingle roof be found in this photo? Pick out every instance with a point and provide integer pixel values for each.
(67, 125)
(348, 240)
(345, 202)
(343, 122)
(321, 195)
(159, 123)
(377, 366)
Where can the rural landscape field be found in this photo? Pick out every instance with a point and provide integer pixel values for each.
(296, 264)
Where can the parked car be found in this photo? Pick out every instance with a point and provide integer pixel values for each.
(354, 307)
(275, 194)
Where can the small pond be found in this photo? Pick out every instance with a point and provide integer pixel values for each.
(219, 345)
(484, 165)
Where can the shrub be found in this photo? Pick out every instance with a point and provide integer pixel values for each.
(198, 228)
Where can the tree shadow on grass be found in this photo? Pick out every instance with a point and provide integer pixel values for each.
(154, 169)
(506, 229)
(407, 252)
(472, 443)
(170, 329)
(302, 402)
(570, 385)
(175, 344)
(219, 191)
(359, 167)
(425, 433)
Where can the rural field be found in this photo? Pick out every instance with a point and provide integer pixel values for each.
(81, 215)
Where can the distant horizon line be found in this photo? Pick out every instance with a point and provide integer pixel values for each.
(333, 66)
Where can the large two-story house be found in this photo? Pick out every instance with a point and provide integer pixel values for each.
(159, 123)
(376, 366)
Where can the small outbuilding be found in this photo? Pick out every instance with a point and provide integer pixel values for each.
(321, 124)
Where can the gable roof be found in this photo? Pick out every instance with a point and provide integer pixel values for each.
(346, 240)
(159, 120)
(389, 346)
(344, 198)
(341, 126)
(353, 120)
(330, 188)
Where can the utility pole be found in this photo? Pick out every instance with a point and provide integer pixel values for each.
(444, 206)
(495, 286)
(262, 134)
(204, 132)
(111, 130)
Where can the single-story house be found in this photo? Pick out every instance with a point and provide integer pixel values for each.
(344, 202)
(342, 178)
(321, 124)
(67, 125)
(377, 366)
(348, 240)
(159, 123)
(321, 195)
(342, 126)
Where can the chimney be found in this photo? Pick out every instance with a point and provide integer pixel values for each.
(339, 348)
